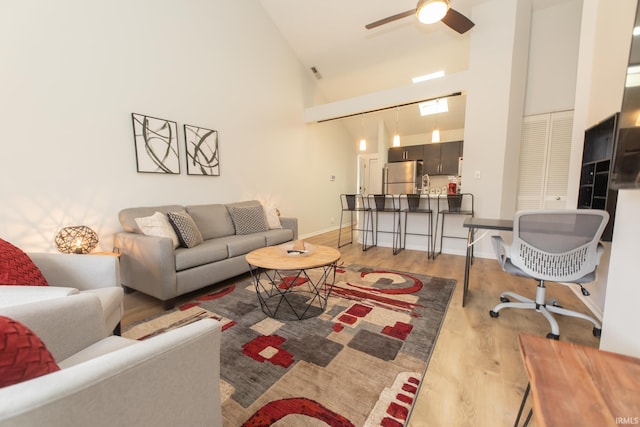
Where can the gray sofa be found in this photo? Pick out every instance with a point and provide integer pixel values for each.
(154, 266)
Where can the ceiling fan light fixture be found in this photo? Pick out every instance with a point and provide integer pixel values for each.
(431, 11)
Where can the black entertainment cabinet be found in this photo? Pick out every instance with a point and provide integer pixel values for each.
(597, 159)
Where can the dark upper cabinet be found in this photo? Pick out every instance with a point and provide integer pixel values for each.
(442, 158)
(431, 159)
(401, 154)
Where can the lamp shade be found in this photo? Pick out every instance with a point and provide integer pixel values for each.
(78, 239)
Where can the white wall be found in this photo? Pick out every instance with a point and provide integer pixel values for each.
(621, 314)
(74, 71)
(553, 57)
(495, 103)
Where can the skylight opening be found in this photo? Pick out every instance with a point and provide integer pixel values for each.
(434, 106)
(426, 77)
(633, 76)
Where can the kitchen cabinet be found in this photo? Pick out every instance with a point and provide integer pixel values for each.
(401, 154)
(442, 158)
(595, 192)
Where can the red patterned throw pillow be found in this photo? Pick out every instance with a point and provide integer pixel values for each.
(16, 268)
(23, 356)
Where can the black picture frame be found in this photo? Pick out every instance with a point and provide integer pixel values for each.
(202, 151)
(156, 144)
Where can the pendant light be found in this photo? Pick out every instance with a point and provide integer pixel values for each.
(435, 135)
(363, 141)
(396, 136)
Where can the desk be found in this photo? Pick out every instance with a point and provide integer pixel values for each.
(474, 224)
(573, 385)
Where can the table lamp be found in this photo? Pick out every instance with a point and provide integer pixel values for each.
(78, 239)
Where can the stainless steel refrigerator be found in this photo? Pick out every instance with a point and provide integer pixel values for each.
(402, 177)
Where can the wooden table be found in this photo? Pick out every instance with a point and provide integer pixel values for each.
(474, 224)
(573, 385)
(293, 286)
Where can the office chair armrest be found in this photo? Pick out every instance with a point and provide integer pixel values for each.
(501, 250)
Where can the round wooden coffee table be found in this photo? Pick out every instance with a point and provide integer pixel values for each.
(293, 285)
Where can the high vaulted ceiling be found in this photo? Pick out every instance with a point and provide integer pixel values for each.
(330, 35)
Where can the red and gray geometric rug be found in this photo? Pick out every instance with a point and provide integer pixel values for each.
(359, 363)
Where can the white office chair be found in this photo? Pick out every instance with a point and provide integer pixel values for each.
(557, 245)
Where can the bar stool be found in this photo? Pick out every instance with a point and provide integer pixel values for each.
(455, 204)
(355, 203)
(413, 207)
(387, 203)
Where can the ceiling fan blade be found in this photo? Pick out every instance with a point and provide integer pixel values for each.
(390, 19)
(457, 21)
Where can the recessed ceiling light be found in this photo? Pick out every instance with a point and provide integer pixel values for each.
(434, 106)
(431, 76)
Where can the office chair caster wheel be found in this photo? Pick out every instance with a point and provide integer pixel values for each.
(597, 332)
(553, 336)
(493, 313)
(504, 299)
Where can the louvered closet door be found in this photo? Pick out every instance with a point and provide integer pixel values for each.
(544, 161)
(533, 155)
(557, 177)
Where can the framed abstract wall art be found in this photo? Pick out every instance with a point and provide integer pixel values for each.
(202, 151)
(156, 142)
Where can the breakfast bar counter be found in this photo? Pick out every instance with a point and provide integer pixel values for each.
(426, 232)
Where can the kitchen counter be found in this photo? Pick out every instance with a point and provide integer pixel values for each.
(418, 224)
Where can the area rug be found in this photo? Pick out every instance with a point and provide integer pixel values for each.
(359, 363)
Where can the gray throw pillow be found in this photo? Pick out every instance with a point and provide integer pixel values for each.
(185, 228)
(248, 220)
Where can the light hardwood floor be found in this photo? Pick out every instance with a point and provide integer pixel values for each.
(475, 376)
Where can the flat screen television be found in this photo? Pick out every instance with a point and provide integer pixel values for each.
(626, 159)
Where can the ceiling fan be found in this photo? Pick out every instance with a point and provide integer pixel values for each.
(429, 12)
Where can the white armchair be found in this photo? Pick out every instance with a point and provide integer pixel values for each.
(168, 380)
(72, 274)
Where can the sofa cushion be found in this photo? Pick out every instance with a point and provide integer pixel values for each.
(127, 217)
(16, 268)
(23, 356)
(212, 220)
(185, 228)
(273, 216)
(241, 245)
(248, 220)
(209, 251)
(158, 225)
(276, 237)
